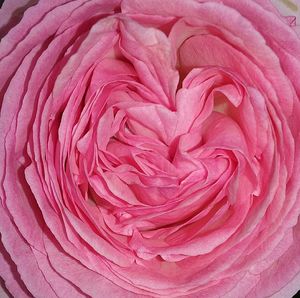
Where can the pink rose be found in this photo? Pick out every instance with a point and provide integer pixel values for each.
(149, 148)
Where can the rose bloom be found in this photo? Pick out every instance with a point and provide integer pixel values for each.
(149, 148)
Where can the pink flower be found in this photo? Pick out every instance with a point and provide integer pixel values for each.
(149, 148)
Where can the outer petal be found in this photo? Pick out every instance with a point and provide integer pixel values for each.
(11, 278)
(22, 256)
(11, 13)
